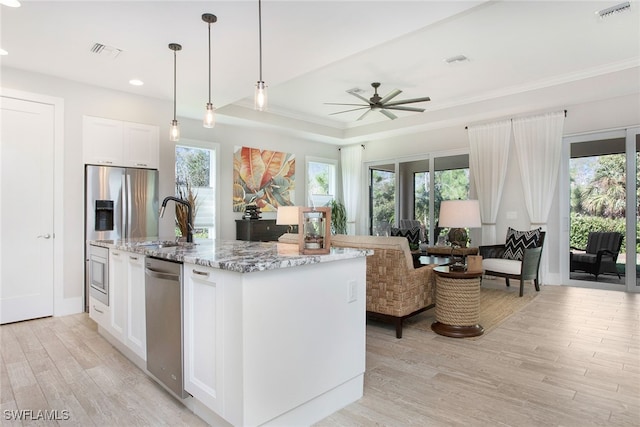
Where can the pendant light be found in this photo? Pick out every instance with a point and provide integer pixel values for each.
(260, 99)
(174, 130)
(209, 115)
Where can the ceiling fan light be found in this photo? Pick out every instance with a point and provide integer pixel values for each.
(260, 98)
(209, 116)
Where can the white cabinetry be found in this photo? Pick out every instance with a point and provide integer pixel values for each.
(117, 293)
(118, 143)
(126, 300)
(136, 324)
(283, 346)
(141, 145)
(202, 317)
(99, 312)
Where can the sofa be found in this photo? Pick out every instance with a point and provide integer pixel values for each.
(396, 289)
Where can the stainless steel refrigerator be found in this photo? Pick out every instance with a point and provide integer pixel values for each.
(119, 203)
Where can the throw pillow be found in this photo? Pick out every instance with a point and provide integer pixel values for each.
(412, 234)
(518, 241)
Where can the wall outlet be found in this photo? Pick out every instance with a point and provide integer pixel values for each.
(352, 291)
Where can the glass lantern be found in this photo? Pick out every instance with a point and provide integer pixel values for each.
(314, 230)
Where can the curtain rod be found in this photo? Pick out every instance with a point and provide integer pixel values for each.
(565, 114)
(361, 145)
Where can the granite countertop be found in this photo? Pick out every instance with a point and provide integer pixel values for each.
(233, 255)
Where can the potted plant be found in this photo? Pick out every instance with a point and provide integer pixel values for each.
(338, 217)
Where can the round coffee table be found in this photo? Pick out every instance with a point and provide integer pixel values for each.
(457, 303)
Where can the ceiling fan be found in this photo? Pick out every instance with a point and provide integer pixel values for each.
(376, 103)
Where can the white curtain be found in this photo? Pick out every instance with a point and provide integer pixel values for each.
(538, 141)
(488, 159)
(351, 162)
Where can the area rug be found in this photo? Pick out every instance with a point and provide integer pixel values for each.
(496, 306)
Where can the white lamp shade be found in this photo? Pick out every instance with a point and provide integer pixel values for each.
(460, 214)
(287, 215)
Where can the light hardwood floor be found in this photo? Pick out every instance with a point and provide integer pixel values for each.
(570, 358)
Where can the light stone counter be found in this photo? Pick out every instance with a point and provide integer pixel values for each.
(231, 255)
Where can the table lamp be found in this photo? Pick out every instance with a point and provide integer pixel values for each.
(458, 215)
(287, 215)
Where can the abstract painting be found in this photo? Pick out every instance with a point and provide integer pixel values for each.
(263, 177)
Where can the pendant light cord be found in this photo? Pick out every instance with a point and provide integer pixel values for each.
(174, 85)
(260, 34)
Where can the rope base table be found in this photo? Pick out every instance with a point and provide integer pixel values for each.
(457, 303)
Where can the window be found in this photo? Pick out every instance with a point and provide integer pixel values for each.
(382, 199)
(321, 180)
(196, 182)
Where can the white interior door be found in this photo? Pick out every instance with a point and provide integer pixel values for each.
(26, 210)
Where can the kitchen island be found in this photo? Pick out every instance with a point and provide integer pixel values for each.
(271, 337)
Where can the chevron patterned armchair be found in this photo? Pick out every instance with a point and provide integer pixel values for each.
(519, 258)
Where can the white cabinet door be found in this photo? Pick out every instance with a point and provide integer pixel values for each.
(136, 322)
(102, 141)
(118, 293)
(99, 312)
(141, 145)
(202, 315)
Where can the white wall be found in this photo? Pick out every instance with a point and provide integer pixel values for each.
(81, 99)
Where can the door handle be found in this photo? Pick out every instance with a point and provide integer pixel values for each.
(44, 236)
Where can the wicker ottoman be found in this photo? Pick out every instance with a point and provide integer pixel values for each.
(457, 303)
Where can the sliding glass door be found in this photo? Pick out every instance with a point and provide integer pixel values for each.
(413, 189)
(604, 183)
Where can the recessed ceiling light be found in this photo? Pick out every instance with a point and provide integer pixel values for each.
(10, 3)
(136, 82)
(3, 52)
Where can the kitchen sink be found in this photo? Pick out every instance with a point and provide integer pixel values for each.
(159, 244)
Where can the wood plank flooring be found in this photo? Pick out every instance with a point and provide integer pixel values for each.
(570, 358)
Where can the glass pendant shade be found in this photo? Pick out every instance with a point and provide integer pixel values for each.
(209, 116)
(260, 100)
(174, 131)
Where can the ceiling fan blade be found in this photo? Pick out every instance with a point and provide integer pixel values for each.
(346, 111)
(390, 95)
(359, 96)
(388, 114)
(338, 103)
(409, 101)
(364, 114)
(398, 107)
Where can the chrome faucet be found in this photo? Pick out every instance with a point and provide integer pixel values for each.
(189, 216)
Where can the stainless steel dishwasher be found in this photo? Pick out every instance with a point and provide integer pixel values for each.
(163, 304)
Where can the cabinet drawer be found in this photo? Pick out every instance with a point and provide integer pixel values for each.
(99, 312)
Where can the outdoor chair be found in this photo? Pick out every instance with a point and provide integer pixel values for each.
(599, 256)
(519, 258)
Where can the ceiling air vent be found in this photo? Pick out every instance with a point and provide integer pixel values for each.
(106, 51)
(622, 7)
